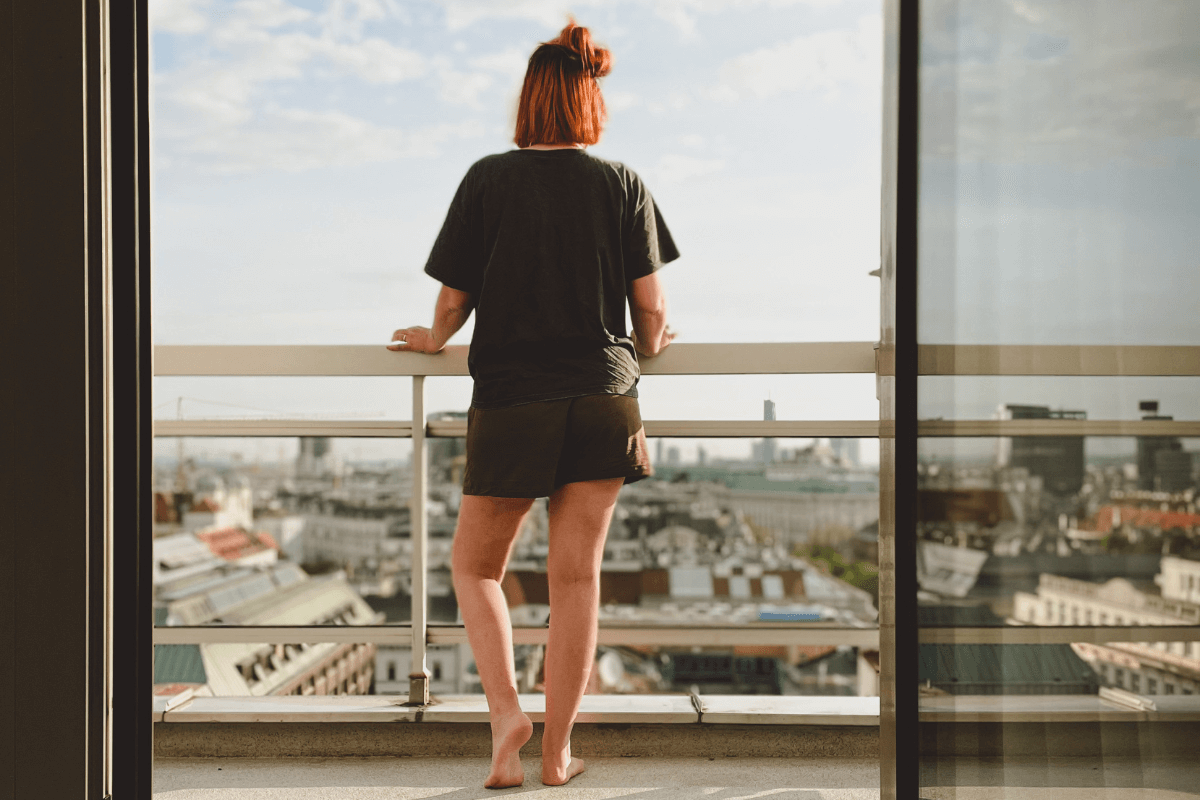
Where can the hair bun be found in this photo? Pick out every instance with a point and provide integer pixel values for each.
(595, 61)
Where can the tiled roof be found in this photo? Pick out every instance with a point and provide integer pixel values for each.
(234, 543)
(1143, 518)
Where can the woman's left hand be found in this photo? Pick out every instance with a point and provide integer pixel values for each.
(415, 339)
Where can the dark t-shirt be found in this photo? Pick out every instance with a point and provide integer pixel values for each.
(547, 242)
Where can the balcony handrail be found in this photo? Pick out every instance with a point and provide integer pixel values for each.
(703, 429)
(769, 358)
(1053, 360)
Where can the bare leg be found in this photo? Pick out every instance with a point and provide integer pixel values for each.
(487, 527)
(579, 517)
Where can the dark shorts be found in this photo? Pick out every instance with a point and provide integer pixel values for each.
(532, 449)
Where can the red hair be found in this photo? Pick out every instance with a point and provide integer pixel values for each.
(560, 100)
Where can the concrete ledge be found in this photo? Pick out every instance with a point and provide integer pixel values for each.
(464, 709)
(608, 725)
(343, 739)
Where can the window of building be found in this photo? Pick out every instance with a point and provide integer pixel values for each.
(1151, 686)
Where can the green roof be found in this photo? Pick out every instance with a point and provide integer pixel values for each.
(1006, 669)
(178, 663)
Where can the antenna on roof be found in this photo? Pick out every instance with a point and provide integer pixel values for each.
(180, 477)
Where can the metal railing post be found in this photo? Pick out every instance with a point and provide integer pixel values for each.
(418, 678)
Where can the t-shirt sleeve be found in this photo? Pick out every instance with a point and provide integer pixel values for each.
(457, 255)
(648, 243)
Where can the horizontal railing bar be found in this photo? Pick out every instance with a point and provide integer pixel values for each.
(1038, 634)
(375, 360)
(859, 429)
(864, 429)
(283, 427)
(699, 359)
(1058, 360)
(1059, 427)
(401, 635)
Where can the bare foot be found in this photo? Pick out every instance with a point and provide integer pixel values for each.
(557, 770)
(508, 735)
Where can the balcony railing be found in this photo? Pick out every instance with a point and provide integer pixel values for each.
(361, 361)
(679, 359)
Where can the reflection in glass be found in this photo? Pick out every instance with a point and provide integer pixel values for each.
(1059, 173)
(1115, 398)
(1059, 530)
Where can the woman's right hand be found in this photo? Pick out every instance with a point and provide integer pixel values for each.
(665, 339)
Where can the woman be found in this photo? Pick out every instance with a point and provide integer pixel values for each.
(547, 244)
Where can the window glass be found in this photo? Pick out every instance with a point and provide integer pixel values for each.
(1059, 173)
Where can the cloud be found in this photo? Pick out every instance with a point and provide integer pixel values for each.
(684, 15)
(464, 13)
(619, 101)
(675, 168)
(179, 16)
(827, 62)
(375, 60)
(294, 140)
(552, 14)
(510, 63)
(464, 88)
(217, 112)
(1065, 85)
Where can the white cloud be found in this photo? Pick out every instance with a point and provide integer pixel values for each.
(684, 15)
(675, 168)
(464, 88)
(178, 16)
(827, 61)
(619, 101)
(293, 140)
(681, 14)
(347, 18)
(215, 113)
(511, 62)
(374, 60)
(464, 13)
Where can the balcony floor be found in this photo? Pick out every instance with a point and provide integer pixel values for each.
(462, 779)
(665, 779)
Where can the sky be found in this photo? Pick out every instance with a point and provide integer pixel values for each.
(305, 152)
